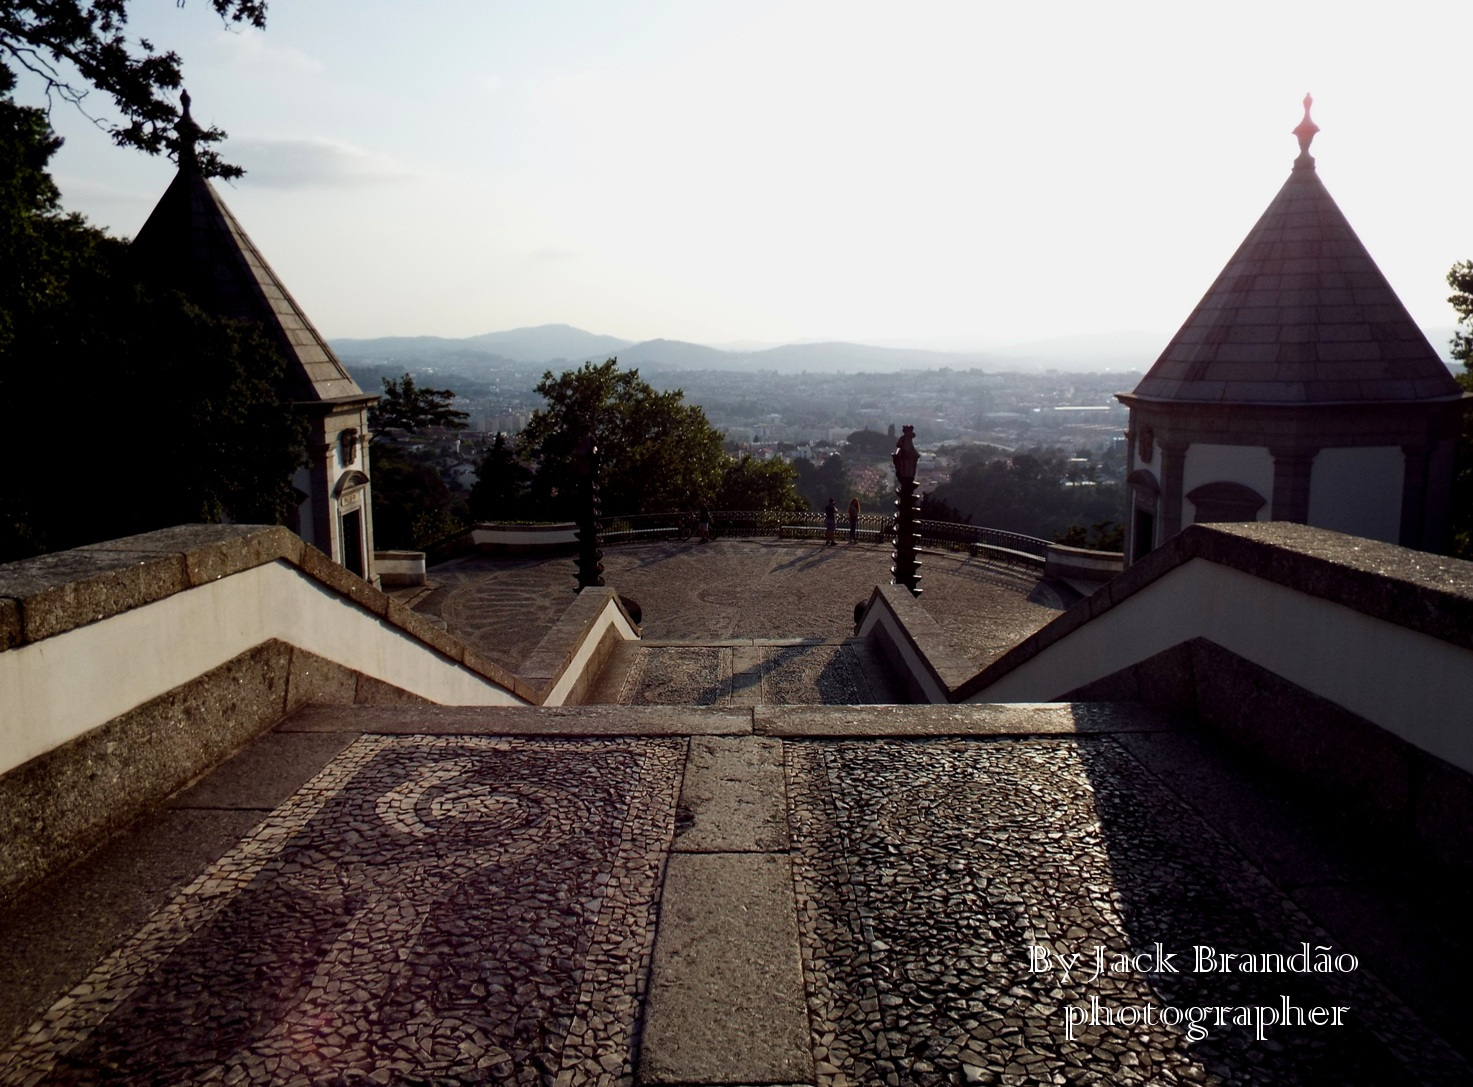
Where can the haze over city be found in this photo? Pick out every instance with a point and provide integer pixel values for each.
(947, 175)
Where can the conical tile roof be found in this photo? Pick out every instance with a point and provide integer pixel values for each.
(192, 242)
(1300, 315)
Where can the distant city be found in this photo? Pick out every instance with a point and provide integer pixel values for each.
(1053, 400)
(787, 411)
(1050, 392)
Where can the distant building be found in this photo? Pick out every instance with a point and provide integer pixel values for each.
(192, 243)
(1299, 389)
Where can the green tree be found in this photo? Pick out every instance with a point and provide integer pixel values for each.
(817, 483)
(51, 39)
(749, 484)
(132, 409)
(406, 406)
(656, 451)
(412, 507)
(871, 443)
(500, 490)
(1460, 279)
(1025, 493)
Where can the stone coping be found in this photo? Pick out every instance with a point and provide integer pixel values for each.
(791, 722)
(1430, 594)
(948, 667)
(555, 653)
(973, 720)
(52, 594)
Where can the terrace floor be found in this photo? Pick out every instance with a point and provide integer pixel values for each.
(732, 590)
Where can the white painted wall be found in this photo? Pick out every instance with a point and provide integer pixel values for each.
(1410, 684)
(61, 687)
(1358, 491)
(1250, 465)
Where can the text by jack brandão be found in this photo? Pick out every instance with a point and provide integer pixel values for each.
(1204, 959)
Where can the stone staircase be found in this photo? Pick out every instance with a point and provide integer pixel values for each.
(666, 894)
(747, 672)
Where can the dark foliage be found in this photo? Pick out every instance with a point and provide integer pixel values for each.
(407, 406)
(412, 507)
(1026, 493)
(749, 484)
(938, 509)
(502, 482)
(656, 452)
(817, 483)
(1460, 279)
(53, 38)
(131, 409)
(1100, 536)
(871, 443)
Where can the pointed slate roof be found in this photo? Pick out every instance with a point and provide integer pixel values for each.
(192, 242)
(1300, 315)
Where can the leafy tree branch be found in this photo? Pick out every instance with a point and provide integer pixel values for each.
(77, 46)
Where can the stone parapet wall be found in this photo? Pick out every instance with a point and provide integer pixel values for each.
(399, 569)
(128, 668)
(1081, 564)
(1343, 661)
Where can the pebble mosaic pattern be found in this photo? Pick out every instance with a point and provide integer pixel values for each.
(678, 676)
(925, 870)
(427, 910)
(818, 674)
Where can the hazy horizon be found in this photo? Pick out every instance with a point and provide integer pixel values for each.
(719, 172)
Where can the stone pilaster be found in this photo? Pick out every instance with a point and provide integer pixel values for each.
(1292, 466)
(1173, 474)
(1416, 456)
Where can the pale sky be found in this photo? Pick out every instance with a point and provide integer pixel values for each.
(955, 173)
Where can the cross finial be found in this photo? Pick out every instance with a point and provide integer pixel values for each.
(1305, 131)
(188, 135)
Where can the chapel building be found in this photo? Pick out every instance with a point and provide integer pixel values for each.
(1299, 389)
(192, 243)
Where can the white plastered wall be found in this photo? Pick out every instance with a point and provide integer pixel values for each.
(1413, 685)
(1250, 465)
(1358, 491)
(61, 687)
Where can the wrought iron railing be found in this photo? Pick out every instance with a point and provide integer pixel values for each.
(779, 523)
(977, 539)
(643, 527)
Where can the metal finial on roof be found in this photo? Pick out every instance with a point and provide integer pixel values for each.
(188, 133)
(1305, 131)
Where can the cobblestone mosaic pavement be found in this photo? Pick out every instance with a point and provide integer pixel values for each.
(427, 910)
(926, 872)
(763, 589)
(456, 910)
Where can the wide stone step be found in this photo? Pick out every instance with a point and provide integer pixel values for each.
(748, 672)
